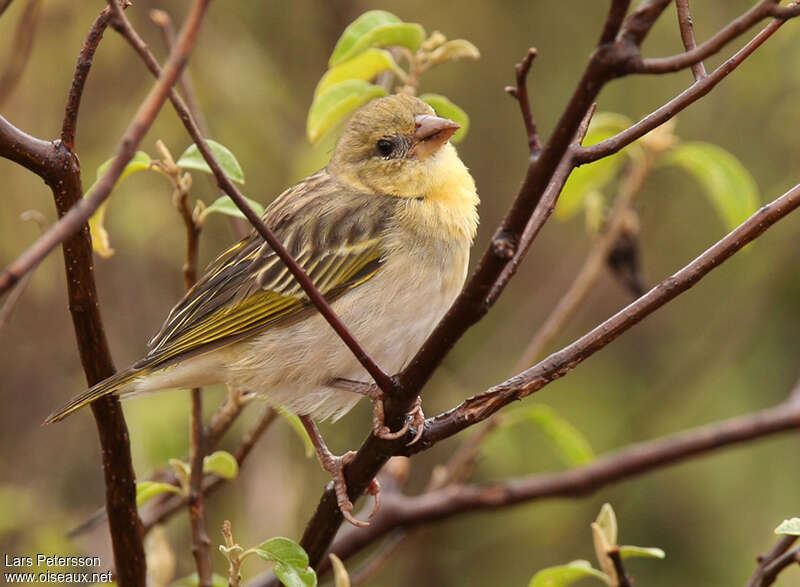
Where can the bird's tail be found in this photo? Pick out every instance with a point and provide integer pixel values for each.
(115, 384)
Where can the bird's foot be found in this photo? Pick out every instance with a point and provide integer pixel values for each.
(415, 416)
(335, 465)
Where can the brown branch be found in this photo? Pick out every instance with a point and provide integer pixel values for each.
(77, 216)
(686, 26)
(198, 445)
(400, 512)
(677, 104)
(772, 570)
(3, 5)
(163, 21)
(383, 380)
(480, 407)
(623, 580)
(766, 561)
(22, 45)
(200, 540)
(85, 57)
(762, 10)
(520, 93)
(616, 15)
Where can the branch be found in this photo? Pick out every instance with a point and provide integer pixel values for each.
(737, 27)
(480, 407)
(22, 45)
(686, 25)
(383, 380)
(404, 512)
(768, 563)
(616, 15)
(693, 93)
(623, 580)
(85, 57)
(520, 93)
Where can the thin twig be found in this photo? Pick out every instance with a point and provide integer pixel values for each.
(686, 25)
(3, 5)
(85, 57)
(616, 15)
(774, 569)
(520, 93)
(759, 579)
(200, 540)
(163, 21)
(22, 45)
(198, 447)
(622, 576)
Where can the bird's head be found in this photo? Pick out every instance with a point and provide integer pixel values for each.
(397, 146)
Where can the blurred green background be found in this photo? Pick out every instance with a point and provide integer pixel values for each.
(727, 347)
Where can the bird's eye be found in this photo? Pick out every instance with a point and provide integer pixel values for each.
(385, 147)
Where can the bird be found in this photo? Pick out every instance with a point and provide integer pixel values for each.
(384, 231)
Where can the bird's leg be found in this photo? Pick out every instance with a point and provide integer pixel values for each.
(335, 466)
(415, 417)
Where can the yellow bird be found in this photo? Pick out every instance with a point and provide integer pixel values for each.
(384, 232)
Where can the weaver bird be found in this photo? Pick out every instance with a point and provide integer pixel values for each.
(383, 231)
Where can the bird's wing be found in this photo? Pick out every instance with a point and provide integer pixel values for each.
(333, 232)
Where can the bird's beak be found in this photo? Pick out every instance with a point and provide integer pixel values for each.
(431, 133)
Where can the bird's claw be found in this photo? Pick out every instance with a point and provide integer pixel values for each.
(415, 418)
(335, 466)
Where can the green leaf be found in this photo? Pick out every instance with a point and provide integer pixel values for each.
(193, 159)
(146, 490)
(221, 463)
(224, 205)
(790, 527)
(571, 444)
(375, 28)
(297, 426)
(365, 67)
(566, 574)
(641, 552)
(593, 176)
(193, 579)
(446, 109)
(340, 576)
(728, 184)
(291, 562)
(335, 103)
(101, 242)
(452, 50)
